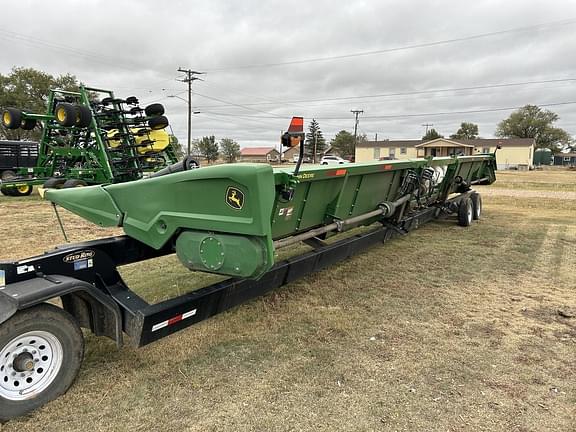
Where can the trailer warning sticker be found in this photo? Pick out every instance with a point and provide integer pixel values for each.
(235, 198)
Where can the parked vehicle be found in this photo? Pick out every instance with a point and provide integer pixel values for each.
(333, 159)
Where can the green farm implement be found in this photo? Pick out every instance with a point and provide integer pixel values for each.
(90, 137)
(228, 220)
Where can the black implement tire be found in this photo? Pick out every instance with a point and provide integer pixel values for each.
(465, 212)
(54, 183)
(23, 190)
(6, 191)
(45, 344)
(476, 206)
(73, 183)
(157, 123)
(7, 175)
(28, 124)
(132, 100)
(12, 118)
(84, 116)
(106, 101)
(66, 114)
(154, 110)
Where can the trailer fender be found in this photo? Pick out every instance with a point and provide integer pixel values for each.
(91, 307)
(8, 307)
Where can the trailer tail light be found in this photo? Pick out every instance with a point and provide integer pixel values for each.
(173, 320)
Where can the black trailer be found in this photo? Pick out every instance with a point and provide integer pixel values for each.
(41, 345)
(14, 156)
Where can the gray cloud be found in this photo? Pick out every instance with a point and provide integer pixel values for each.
(135, 47)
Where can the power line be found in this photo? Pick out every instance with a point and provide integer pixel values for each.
(553, 24)
(410, 93)
(400, 116)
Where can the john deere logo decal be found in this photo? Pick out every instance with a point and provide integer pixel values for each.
(235, 198)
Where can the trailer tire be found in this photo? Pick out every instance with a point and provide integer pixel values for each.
(12, 118)
(132, 100)
(157, 123)
(465, 212)
(476, 206)
(52, 335)
(73, 183)
(66, 114)
(84, 116)
(54, 183)
(155, 109)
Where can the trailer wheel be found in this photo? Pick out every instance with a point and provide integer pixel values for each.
(465, 212)
(41, 351)
(12, 118)
(54, 183)
(22, 190)
(84, 116)
(154, 110)
(157, 123)
(73, 183)
(476, 206)
(132, 100)
(66, 114)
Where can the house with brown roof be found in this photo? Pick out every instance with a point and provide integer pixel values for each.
(259, 154)
(516, 153)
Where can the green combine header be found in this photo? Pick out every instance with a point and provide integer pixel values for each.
(228, 220)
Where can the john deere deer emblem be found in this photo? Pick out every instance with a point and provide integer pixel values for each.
(235, 198)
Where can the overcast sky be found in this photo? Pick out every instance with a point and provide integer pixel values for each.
(256, 55)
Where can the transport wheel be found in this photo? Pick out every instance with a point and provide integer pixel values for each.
(66, 114)
(41, 351)
(11, 118)
(54, 183)
(154, 110)
(7, 175)
(22, 190)
(7, 191)
(73, 183)
(157, 123)
(465, 212)
(28, 124)
(84, 116)
(476, 206)
(132, 100)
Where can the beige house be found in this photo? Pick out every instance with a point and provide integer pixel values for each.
(514, 153)
(259, 154)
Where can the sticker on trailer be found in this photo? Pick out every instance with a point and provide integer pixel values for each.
(173, 320)
(80, 265)
(24, 269)
(2, 279)
(79, 256)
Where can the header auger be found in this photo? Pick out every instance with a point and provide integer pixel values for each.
(91, 137)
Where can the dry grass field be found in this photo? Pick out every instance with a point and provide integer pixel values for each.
(446, 329)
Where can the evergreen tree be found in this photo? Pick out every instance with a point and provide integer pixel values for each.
(206, 147)
(314, 139)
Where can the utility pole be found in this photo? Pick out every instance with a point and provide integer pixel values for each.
(189, 77)
(427, 125)
(356, 112)
(314, 157)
